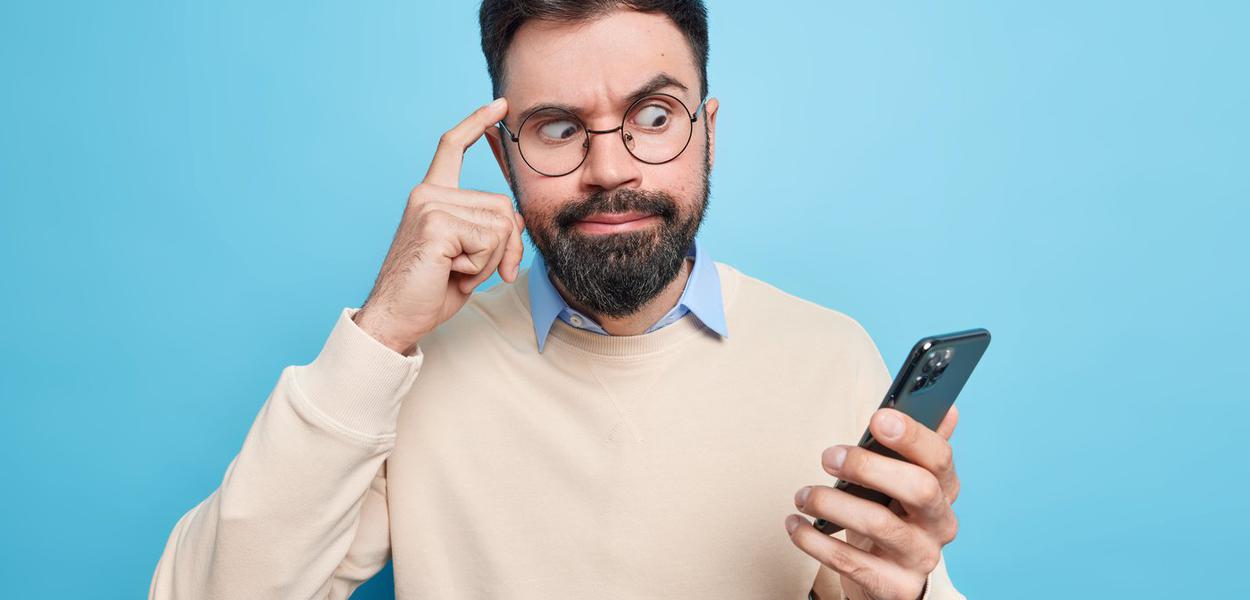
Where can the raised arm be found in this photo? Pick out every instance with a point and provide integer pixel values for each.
(301, 511)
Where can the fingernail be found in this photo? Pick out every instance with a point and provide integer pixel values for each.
(891, 425)
(801, 498)
(837, 456)
(497, 102)
(792, 523)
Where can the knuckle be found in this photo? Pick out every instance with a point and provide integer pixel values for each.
(857, 460)
(865, 576)
(420, 193)
(929, 492)
(912, 431)
(504, 227)
(840, 557)
(481, 213)
(487, 236)
(949, 530)
(498, 221)
(448, 139)
(885, 526)
(434, 221)
(427, 206)
(946, 457)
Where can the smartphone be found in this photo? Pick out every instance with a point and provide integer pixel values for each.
(924, 389)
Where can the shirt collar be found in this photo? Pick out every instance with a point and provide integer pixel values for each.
(701, 296)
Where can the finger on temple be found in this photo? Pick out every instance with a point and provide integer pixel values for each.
(448, 158)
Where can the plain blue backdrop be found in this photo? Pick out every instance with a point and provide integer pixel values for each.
(192, 192)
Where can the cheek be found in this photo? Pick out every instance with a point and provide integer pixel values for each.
(682, 178)
(541, 197)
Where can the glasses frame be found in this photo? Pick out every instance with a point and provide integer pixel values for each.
(621, 128)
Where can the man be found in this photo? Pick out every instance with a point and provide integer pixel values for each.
(624, 419)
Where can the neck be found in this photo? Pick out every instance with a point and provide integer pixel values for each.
(646, 316)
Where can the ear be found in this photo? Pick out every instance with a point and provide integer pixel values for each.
(709, 112)
(494, 137)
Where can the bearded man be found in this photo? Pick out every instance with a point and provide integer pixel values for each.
(625, 419)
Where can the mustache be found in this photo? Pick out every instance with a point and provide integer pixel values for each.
(625, 200)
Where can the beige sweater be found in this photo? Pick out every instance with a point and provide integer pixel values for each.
(655, 466)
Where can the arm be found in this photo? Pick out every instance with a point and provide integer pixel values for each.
(301, 511)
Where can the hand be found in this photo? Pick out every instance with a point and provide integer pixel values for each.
(448, 241)
(889, 552)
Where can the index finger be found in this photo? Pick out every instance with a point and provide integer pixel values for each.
(445, 167)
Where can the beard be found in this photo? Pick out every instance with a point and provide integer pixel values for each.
(615, 274)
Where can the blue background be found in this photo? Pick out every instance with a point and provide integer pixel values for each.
(191, 193)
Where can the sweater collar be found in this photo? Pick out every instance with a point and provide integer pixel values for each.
(701, 296)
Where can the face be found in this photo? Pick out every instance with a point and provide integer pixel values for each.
(615, 230)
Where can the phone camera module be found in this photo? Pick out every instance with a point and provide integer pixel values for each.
(932, 368)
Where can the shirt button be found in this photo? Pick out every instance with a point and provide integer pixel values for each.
(575, 320)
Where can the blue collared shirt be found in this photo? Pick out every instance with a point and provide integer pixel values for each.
(701, 296)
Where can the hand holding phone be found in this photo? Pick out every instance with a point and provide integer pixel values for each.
(925, 388)
(893, 544)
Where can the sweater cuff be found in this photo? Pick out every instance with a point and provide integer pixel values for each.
(358, 381)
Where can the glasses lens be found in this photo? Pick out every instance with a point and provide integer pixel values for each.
(553, 141)
(657, 129)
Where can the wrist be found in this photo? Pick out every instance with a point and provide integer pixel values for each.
(369, 322)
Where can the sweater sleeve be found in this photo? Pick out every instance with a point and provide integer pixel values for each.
(301, 511)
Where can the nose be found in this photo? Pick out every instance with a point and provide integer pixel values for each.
(608, 164)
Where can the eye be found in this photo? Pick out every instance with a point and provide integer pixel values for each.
(653, 116)
(558, 130)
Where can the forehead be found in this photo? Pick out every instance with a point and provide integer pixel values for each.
(596, 64)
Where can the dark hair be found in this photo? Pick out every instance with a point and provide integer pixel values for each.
(500, 20)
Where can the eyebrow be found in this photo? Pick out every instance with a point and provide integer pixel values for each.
(655, 84)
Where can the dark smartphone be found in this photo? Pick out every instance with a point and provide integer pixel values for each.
(925, 388)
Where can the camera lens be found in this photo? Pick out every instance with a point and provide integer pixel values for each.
(921, 381)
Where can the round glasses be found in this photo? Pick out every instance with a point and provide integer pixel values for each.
(655, 129)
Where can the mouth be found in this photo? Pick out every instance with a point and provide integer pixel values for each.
(616, 222)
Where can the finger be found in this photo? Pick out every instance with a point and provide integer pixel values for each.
(887, 530)
(503, 224)
(917, 444)
(916, 489)
(509, 266)
(516, 250)
(878, 576)
(465, 244)
(445, 166)
(496, 256)
(947, 427)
